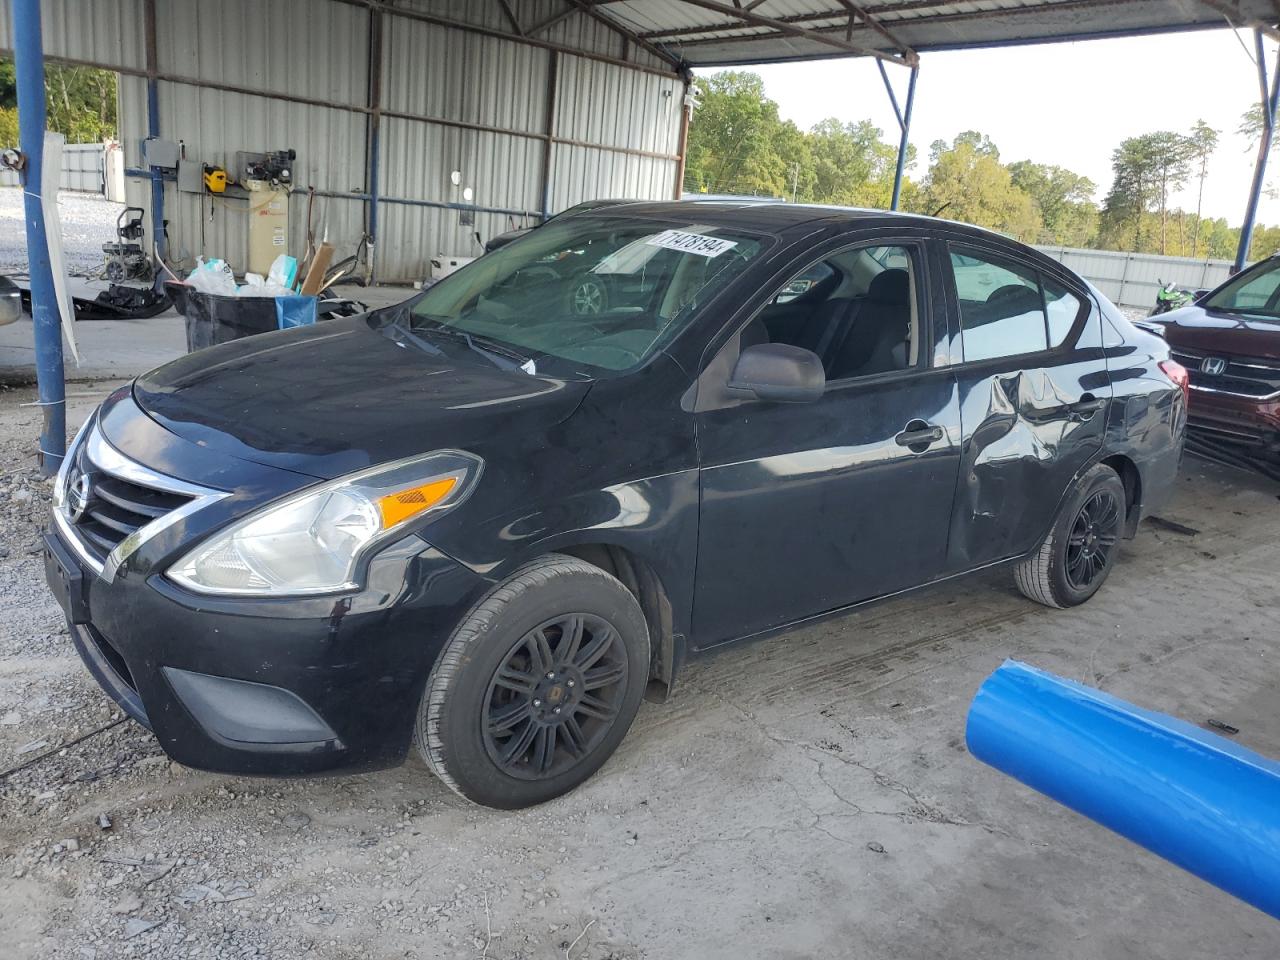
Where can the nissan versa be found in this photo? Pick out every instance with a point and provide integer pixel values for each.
(491, 519)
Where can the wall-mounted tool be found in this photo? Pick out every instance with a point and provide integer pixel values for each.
(126, 258)
(215, 178)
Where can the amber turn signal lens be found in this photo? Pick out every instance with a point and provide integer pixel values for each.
(404, 504)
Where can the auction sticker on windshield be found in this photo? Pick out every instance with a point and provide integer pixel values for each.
(703, 246)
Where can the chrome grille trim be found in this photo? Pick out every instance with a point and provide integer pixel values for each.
(114, 463)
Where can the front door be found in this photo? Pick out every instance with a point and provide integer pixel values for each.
(1033, 389)
(808, 507)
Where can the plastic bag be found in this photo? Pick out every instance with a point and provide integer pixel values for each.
(256, 286)
(284, 271)
(213, 276)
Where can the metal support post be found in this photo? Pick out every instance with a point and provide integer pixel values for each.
(1269, 103)
(29, 62)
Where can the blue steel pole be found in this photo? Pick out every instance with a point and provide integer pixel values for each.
(51, 384)
(1269, 104)
(153, 132)
(1201, 802)
(906, 132)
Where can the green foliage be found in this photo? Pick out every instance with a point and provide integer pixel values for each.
(738, 144)
(1064, 201)
(967, 182)
(81, 103)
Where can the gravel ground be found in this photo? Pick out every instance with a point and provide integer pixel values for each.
(806, 797)
(88, 222)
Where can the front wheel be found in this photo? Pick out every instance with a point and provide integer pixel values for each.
(1077, 555)
(537, 686)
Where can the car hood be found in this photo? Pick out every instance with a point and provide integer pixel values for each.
(337, 397)
(1209, 331)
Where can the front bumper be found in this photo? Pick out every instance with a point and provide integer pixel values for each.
(269, 687)
(1250, 423)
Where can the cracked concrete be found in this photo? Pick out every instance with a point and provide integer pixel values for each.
(804, 797)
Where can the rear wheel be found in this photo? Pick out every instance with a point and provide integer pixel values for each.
(1077, 555)
(537, 686)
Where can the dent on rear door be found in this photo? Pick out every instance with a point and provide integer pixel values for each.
(1022, 448)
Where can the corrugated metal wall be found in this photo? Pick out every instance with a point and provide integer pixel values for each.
(453, 99)
(1132, 279)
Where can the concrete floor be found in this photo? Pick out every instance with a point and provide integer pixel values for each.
(809, 796)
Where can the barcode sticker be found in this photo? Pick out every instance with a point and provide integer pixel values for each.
(697, 243)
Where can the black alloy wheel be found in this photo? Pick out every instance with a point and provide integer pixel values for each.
(537, 686)
(555, 696)
(1077, 555)
(1093, 537)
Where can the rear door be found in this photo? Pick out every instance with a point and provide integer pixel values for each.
(1033, 387)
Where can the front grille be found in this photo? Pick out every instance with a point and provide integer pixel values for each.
(1254, 377)
(104, 498)
(117, 508)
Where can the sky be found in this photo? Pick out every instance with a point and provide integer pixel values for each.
(1064, 103)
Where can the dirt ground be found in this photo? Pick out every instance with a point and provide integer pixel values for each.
(809, 796)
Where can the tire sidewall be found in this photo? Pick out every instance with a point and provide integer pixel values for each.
(1098, 478)
(459, 723)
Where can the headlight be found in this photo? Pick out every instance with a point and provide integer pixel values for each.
(313, 541)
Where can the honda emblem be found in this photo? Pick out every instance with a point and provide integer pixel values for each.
(1213, 366)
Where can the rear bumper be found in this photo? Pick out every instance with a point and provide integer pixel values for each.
(270, 687)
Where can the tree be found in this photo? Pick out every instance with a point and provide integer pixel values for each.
(967, 182)
(1201, 144)
(80, 103)
(1063, 199)
(1134, 189)
(852, 165)
(733, 138)
(1172, 155)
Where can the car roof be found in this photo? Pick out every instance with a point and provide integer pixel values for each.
(774, 217)
(771, 215)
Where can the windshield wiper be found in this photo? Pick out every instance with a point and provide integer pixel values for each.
(399, 333)
(499, 354)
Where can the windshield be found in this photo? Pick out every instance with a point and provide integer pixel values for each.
(602, 293)
(1254, 292)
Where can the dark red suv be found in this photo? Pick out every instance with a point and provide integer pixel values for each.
(1229, 340)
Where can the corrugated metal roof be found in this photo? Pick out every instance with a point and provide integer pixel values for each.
(706, 33)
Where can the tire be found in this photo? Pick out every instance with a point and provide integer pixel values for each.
(588, 298)
(508, 675)
(1076, 557)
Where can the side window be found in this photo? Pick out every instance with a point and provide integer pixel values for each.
(1062, 307)
(1007, 309)
(1001, 311)
(856, 309)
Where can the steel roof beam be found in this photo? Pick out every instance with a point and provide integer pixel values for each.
(511, 16)
(1235, 18)
(782, 27)
(875, 25)
(586, 8)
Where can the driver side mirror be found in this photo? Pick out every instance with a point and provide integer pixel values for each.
(779, 372)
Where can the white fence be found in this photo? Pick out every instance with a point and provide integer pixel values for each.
(87, 168)
(1132, 279)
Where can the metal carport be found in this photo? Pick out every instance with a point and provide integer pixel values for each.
(539, 103)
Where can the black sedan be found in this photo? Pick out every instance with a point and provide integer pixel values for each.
(489, 525)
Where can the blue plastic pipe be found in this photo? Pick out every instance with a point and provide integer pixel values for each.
(1199, 801)
(29, 65)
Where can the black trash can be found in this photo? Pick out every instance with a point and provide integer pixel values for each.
(213, 319)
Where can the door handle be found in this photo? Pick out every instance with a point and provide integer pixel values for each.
(918, 435)
(1086, 406)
